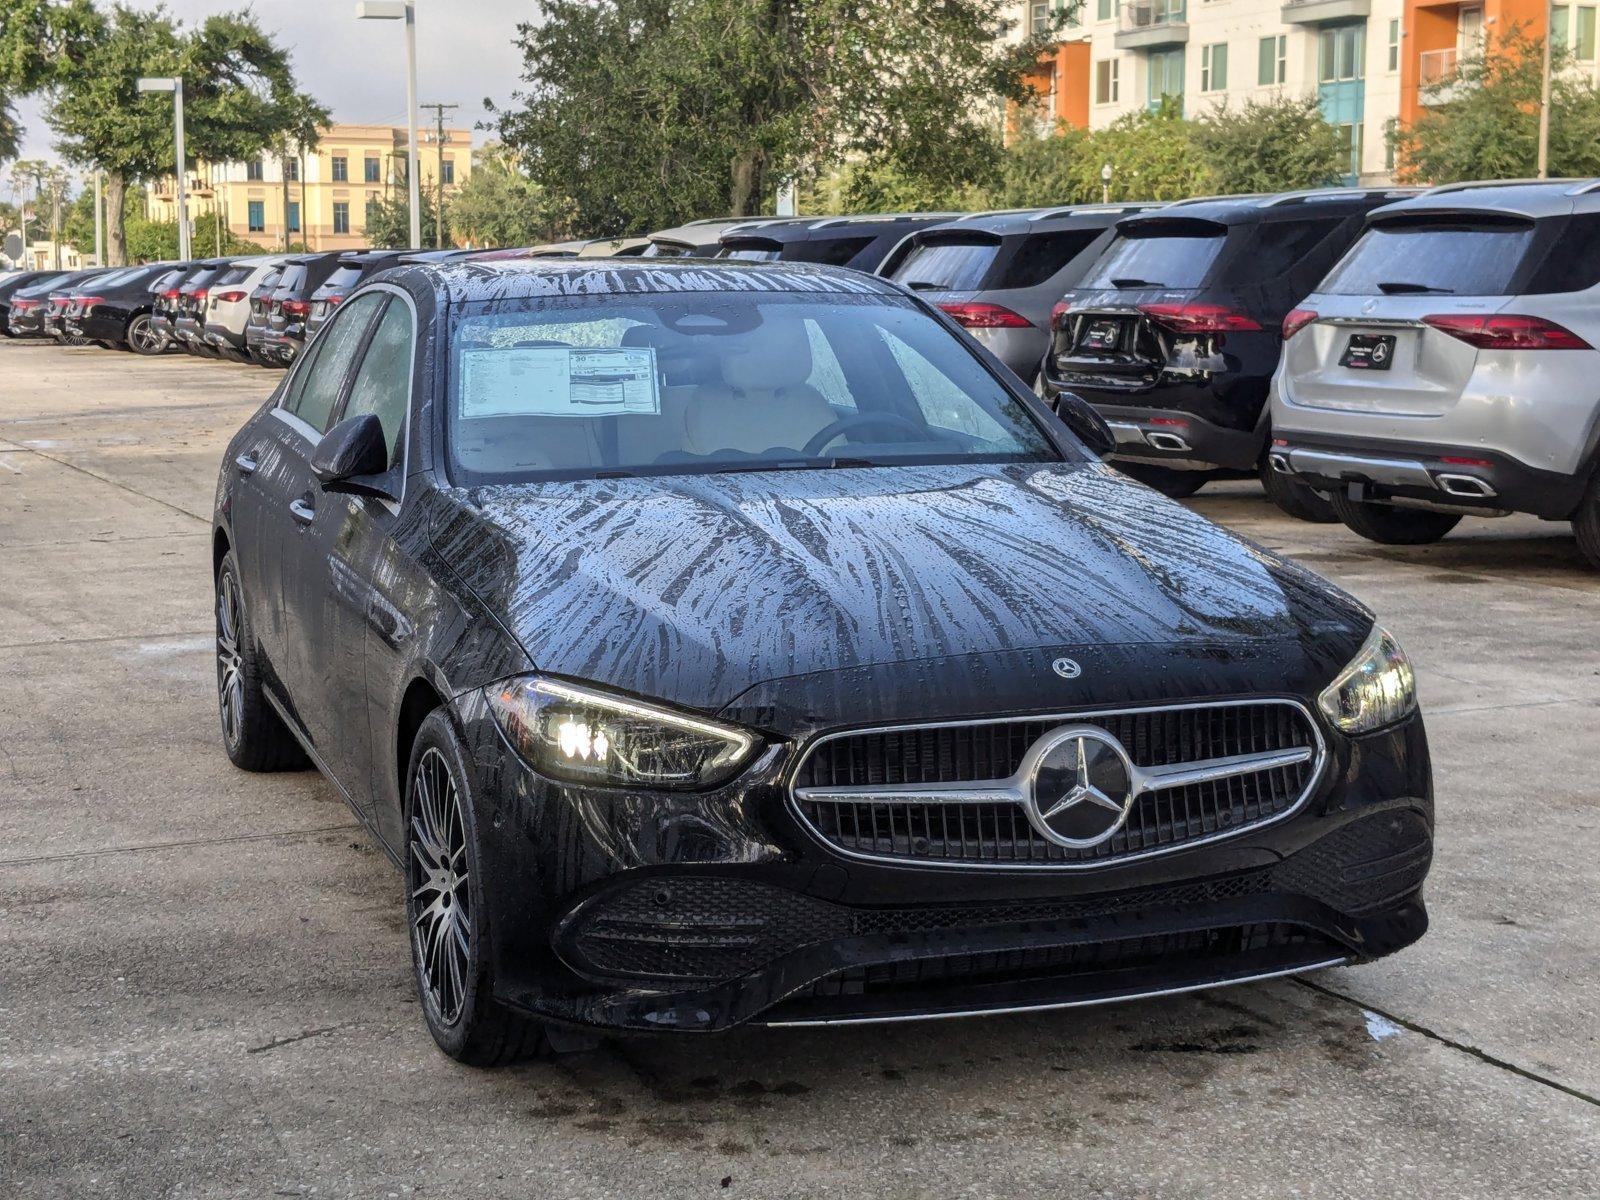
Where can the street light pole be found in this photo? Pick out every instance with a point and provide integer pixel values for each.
(1544, 98)
(99, 220)
(1105, 184)
(404, 10)
(175, 86)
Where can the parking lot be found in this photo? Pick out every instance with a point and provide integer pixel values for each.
(207, 989)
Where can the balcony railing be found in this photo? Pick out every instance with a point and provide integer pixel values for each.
(1152, 24)
(1438, 66)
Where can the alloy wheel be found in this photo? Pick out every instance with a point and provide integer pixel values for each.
(143, 336)
(441, 918)
(230, 665)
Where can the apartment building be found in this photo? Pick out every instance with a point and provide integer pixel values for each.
(352, 167)
(1117, 56)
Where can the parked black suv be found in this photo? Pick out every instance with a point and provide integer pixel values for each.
(284, 334)
(1175, 333)
(354, 268)
(168, 295)
(861, 243)
(12, 285)
(114, 309)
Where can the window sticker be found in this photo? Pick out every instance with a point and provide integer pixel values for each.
(558, 381)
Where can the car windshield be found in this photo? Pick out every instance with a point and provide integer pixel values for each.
(1159, 254)
(714, 381)
(1440, 258)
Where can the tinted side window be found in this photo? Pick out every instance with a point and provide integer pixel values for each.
(1573, 263)
(383, 384)
(317, 384)
(1276, 247)
(1042, 255)
(835, 252)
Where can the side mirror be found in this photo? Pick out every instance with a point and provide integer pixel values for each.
(353, 451)
(1082, 418)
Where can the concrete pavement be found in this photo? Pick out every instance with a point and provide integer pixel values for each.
(206, 989)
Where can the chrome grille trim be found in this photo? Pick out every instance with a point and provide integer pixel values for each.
(1007, 793)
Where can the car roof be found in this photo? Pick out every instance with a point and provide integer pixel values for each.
(1523, 197)
(468, 281)
(1033, 220)
(807, 229)
(1255, 208)
(706, 230)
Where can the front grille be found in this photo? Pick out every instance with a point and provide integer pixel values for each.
(996, 832)
(1169, 951)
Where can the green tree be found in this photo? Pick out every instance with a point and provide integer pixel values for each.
(640, 113)
(498, 205)
(239, 91)
(10, 131)
(1270, 146)
(1484, 124)
(389, 220)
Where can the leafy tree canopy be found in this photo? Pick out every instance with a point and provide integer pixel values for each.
(498, 205)
(1485, 123)
(641, 113)
(1270, 146)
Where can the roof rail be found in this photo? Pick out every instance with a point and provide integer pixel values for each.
(1466, 185)
(1304, 195)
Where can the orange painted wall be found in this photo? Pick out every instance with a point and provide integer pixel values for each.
(1431, 25)
(1071, 61)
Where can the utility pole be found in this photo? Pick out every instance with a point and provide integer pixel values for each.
(1544, 97)
(438, 115)
(99, 220)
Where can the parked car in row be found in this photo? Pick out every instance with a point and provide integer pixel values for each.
(1000, 275)
(696, 239)
(860, 242)
(16, 282)
(225, 311)
(35, 310)
(1449, 366)
(353, 268)
(114, 309)
(276, 333)
(783, 660)
(168, 297)
(1175, 333)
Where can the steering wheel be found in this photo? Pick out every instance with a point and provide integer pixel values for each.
(836, 429)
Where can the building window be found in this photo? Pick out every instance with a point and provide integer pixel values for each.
(1573, 26)
(1106, 83)
(341, 216)
(372, 169)
(447, 169)
(258, 216)
(1341, 53)
(1038, 16)
(255, 171)
(341, 169)
(1394, 46)
(1350, 135)
(1106, 10)
(1272, 60)
(1390, 128)
(294, 216)
(291, 169)
(1214, 67)
(1165, 80)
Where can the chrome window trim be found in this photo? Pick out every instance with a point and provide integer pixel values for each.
(888, 791)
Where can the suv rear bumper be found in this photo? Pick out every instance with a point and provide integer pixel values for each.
(1180, 440)
(1460, 477)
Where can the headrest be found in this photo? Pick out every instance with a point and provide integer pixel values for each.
(776, 354)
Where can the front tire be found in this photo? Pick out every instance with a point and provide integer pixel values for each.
(446, 912)
(1295, 499)
(253, 734)
(1177, 484)
(144, 338)
(1392, 526)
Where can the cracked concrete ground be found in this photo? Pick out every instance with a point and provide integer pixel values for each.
(206, 989)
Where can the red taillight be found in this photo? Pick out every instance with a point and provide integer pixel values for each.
(171, 294)
(333, 301)
(25, 305)
(1169, 421)
(1199, 318)
(231, 297)
(1455, 460)
(1058, 313)
(1296, 321)
(1503, 331)
(296, 308)
(986, 316)
(85, 303)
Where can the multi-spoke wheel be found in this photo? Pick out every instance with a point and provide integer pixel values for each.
(447, 913)
(252, 733)
(440, 896)
(144, 337)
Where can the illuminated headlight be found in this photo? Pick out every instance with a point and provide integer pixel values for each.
(1376, 689)
(583, 736)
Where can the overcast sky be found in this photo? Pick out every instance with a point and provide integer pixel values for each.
(357, 68)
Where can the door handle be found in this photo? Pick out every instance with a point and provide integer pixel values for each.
(302, 511)
(246, 463)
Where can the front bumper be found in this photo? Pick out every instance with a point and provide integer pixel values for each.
(1458, 478)
(698, 913)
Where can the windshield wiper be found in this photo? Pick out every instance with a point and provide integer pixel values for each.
(1124, 284)
(1402, 288)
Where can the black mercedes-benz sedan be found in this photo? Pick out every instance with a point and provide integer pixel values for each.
(712, 644)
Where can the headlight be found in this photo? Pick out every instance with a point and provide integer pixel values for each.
(585, 736)
(1376, 689)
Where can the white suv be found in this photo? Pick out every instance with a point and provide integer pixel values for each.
(1447, 366)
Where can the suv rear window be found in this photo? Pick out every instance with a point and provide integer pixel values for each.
(1447, 257)
(346, 275)
(752, 251)
(293, 276)
(1164, 254)
(947, 264)
(832, 252)
(1042, 255)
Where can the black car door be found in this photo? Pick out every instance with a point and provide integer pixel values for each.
(320, 673)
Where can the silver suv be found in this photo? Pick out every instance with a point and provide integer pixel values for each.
(1447, 366)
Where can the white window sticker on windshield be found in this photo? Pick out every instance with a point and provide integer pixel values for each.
(558, 381)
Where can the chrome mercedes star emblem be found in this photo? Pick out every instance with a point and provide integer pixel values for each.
(1066, 668)
(1081, 786)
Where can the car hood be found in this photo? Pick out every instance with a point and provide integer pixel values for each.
(695, 588)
